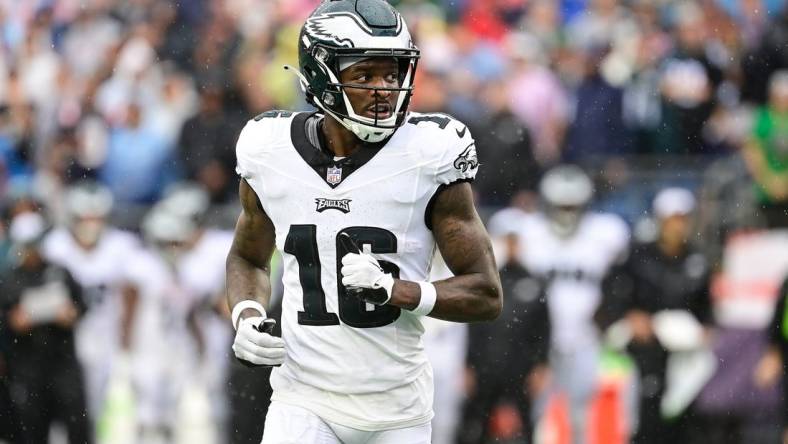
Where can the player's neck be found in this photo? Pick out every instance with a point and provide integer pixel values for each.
(338, 139)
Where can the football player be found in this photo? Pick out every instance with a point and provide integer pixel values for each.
(356, 196)
(94, 253)
(199, 270)
(570, 249)
(164, 351)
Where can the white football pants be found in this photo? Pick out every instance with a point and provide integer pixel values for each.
(288, 424)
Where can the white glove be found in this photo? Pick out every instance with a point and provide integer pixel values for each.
(362, 275)
(256, 347)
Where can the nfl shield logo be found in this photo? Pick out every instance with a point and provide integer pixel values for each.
(334, 175)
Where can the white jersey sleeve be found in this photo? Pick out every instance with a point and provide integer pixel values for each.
(249, 149)
(613, 232)
(136, 271)
(257, 140)
(459, 161)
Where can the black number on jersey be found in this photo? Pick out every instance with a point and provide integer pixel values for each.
(301, 242)
(352, 310)
(274, 113)
(438, 119)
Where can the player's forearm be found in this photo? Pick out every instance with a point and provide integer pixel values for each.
(774, 183)
(130, 299)
(249, 259)
(466, 298)
(247, 281)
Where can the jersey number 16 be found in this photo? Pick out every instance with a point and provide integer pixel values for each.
(301, 242)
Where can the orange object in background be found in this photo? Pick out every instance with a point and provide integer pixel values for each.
(505, 422)
(555, 427)
(609, 418)
(606, 418)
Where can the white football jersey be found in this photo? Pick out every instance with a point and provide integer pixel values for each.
(201, 272)
(573, 269)
(100, 273)
(201, 269)
(163, 351)
(355, 364)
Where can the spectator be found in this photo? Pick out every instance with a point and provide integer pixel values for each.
(773, 366)
(8, 422)
(505, 146)
(178, 37)
(570, 250)
(688, 83)
(598, 130)
(41, 303)
(537, 97)
(139, 162)
(206, 142)
(766, 153)
(769, 56)
(543, 21)
(17, 152)
(667, 275)
(599, 25)
(89, 38)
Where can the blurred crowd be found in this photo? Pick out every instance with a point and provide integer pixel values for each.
(634, 179)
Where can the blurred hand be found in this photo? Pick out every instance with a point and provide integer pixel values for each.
(785, 437)
(67, 315)
(768, 370)
(469, 382)
(640, 323)
(19, 320)
(538, 381)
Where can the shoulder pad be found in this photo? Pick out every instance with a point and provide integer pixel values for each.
(610, 229)
(455, 147)
(258, 137)
(441, 120)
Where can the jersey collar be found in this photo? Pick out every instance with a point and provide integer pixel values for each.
(333, 172)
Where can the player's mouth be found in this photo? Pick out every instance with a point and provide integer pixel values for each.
(378, 111)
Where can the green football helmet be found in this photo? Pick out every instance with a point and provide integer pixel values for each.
(341, 31)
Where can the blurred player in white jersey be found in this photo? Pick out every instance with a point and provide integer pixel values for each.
(94, 253)
(200, 271)
(166, 345)
(356, 196)
(571, 249)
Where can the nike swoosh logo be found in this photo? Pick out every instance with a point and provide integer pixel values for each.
(461, 134)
